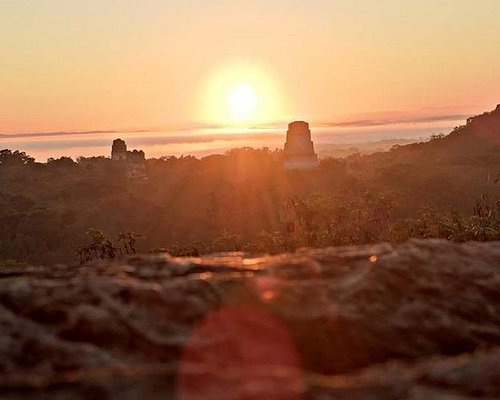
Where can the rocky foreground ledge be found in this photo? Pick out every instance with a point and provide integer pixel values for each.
(419, 320)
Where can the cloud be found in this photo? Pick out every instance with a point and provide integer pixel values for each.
(375, 122)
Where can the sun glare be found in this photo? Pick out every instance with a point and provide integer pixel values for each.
(242, 102)
(241, 94)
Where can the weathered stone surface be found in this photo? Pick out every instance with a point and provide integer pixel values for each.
(419, 320)
(299, 148)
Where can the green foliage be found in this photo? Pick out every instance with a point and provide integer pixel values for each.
(12, 264)
(127, 242)
(425, 190)
(193, 250)
(322, 220)
(227, 242)
(9, 158)
(482, 225)
(100, 247)
(275, 242)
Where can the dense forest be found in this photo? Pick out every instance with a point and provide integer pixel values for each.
(244, 200)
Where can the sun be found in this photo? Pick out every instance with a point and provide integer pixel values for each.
(240, 94)
(242, 102)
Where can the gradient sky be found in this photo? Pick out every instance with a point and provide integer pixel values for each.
(69, 65)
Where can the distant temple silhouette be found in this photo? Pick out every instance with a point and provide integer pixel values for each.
(135, 159)
(299, 148)
(119, 150)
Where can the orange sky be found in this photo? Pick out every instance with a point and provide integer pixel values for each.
(119, 64)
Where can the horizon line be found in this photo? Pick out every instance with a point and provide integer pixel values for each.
(355, 123)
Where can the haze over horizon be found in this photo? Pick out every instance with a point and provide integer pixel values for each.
(121, 65)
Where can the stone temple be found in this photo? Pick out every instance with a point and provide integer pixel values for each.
(119, 150)
(135, 160)
(299, 148)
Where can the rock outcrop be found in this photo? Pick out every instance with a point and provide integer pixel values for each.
(420, 320)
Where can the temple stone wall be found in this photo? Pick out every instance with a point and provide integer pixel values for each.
(135, 159)
(119, 150)
(299, 148)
